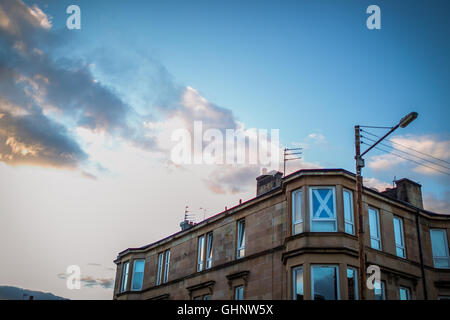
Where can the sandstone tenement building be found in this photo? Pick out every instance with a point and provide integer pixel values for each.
(297, 240)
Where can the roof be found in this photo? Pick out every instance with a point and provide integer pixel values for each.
(270, 193)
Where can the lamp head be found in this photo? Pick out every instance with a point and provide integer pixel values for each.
(406, 120)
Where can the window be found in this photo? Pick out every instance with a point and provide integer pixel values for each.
(439, 246)
(201, 252)
(380, 290)
(352, 283)
(209, 252)
(138, 275)
(166, 267)
(348, 212)
(239, 293)
(323, 209)
(160, 267)
(125, 267)
(399, 238)
(297, 220)
(325, 283)
(404, 293)
(203, 297)
(374, 223)
(297, 289)
(241, 239)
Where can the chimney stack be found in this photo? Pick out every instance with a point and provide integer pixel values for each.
(406, 190)
(268, 181)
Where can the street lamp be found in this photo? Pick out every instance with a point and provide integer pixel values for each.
(403, 123)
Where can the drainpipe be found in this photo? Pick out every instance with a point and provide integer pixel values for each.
(424, 282)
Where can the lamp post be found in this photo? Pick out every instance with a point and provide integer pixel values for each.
(405, 121)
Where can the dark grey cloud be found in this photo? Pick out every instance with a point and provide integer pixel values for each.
(33, 82)
(37, 140)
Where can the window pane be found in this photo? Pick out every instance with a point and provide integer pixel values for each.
(325, 283)
(209, 250)
(375, 244)
(348, 211)
(352, 284)
(323, 203)
(349, 228)
(399, 241)
(323, 213)
(438, 243)
(206, 297)
(398, 232)
(380, 293)
(297, 205)
(201, 241)
(166, 268)
(241, 239)
(323, 226)
(124, 276)
(404, 294)
(374, 226)
(160, 264)
(239, 293)
(298, 283)
(138, 274)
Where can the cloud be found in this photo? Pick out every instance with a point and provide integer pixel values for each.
(426, 145)
(91, 281)
(376, 184)
(34, 139)
(437, 204)
(43, 97)
(232, 179)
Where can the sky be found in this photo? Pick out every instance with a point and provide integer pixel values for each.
(86, 116)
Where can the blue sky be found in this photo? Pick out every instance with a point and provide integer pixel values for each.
(301, 66)
(309, 68)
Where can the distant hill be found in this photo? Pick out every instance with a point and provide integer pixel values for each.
(14, 293)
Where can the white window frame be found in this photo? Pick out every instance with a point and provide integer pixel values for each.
(124, 281)
(134, 274)
(166, 266)
(297, 222)
(399, 243)
(209, 249)
(311, 207)
(240, 245)
(159, 268)
(407, 290)
(350, 214)
(355, 272)
(239, 293)
(336, 267)
(200, 252)
(447, 257)
(294, 282)
(377, 237)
